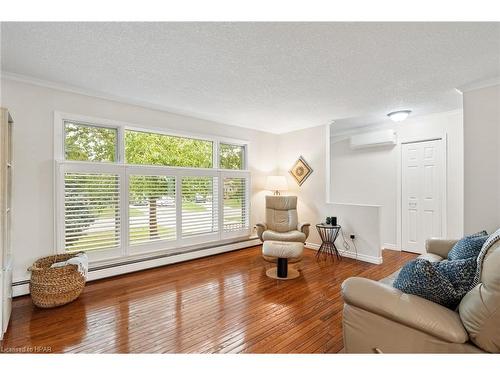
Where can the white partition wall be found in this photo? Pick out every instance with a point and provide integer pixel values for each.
(314, 203)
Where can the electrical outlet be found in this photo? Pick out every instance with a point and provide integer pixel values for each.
(352, 236)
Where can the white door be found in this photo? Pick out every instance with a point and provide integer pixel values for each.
(422, 179)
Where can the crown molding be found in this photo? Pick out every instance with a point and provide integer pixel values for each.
(115, 98)
(476, 85)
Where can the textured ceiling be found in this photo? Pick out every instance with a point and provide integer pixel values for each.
(275, 77)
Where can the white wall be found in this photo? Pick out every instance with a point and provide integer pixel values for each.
(361, 220)
(370, 176)
(367, 177)
(32, 108)
(482, 159)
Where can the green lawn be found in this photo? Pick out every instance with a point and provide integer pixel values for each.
(134, 212)
(109, 213)
(238, 218)
(165, 233)
(82, 244)
(193, 207)
(232, 202)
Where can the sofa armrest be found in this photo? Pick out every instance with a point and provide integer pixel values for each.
(304, 228)
(439, 246)
(407, 309)
(261, 227)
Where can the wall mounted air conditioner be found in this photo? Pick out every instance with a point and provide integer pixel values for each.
(377, 138)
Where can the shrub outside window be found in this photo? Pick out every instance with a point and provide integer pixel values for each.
(171, 151)
(231, 156)
(89, 143)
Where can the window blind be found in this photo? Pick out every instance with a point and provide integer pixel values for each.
(152, 209)
(91, 211)
(199, 205)
(235, 204)
(128, 191)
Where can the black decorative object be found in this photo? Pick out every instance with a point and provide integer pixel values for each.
(331, 220)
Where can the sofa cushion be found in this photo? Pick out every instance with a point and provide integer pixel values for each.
(421, 278)
(291, 236)
(468, 247)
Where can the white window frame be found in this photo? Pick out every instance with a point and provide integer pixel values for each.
(124, 170)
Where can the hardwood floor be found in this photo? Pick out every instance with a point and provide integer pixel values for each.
(219, 304)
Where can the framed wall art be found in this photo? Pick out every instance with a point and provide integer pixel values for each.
(300, 170)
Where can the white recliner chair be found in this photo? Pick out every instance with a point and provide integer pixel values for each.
(282, 223)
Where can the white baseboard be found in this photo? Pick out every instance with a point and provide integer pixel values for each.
(312, 246)
(390, 246)
(349, 254)
(22, 288)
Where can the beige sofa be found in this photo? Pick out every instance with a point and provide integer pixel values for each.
(380, 318)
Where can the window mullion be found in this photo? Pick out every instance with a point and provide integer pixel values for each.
(178, 207)
(245, 157)
(124, 207)
(215, 154)
(220, 204)
(121, 145)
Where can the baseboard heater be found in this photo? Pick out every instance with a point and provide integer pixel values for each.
(133, 265)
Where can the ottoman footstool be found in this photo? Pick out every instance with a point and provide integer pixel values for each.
(283, 251)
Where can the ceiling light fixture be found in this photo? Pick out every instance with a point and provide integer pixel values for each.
(398, 116)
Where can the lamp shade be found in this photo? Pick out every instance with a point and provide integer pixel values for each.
(276, 183)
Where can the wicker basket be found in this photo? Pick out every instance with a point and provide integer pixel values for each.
(51, 287)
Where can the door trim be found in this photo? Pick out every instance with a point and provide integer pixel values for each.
(444, 184)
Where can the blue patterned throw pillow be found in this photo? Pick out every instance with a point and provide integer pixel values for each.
(421, 278)
(459, 272)
(477, 234)
(468, 247)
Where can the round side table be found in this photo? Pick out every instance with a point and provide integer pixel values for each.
(328, 234)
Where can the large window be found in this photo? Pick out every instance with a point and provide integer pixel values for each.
(123, 191)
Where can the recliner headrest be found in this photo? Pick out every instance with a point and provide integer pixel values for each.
(281, 202)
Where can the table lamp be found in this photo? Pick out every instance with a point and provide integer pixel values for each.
(276, 183)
